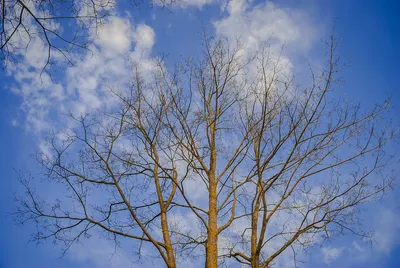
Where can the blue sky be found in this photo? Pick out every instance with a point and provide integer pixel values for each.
(370, 32)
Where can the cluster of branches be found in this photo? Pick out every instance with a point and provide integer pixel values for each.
(279, 165)
(63, 27)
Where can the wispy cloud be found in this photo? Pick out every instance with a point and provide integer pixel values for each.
(330, 254)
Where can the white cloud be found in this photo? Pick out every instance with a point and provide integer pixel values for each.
(144, 36)
(386, 236)
(186, 3)
(387, 231)
(195, 3)
(330, 254)
(195, 189)
(358, 247)
(82, 87)
(100, 253)
(386, 227)
(266, 22)
(236, 6)
(283, 34)
(115, 35)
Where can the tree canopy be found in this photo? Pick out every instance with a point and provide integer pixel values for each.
(223, 159)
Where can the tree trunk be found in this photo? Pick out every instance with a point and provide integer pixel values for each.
(167, 239)
(163, 213)
(212, 239)
(254, 225)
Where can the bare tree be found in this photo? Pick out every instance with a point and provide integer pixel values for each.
(281, 164)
